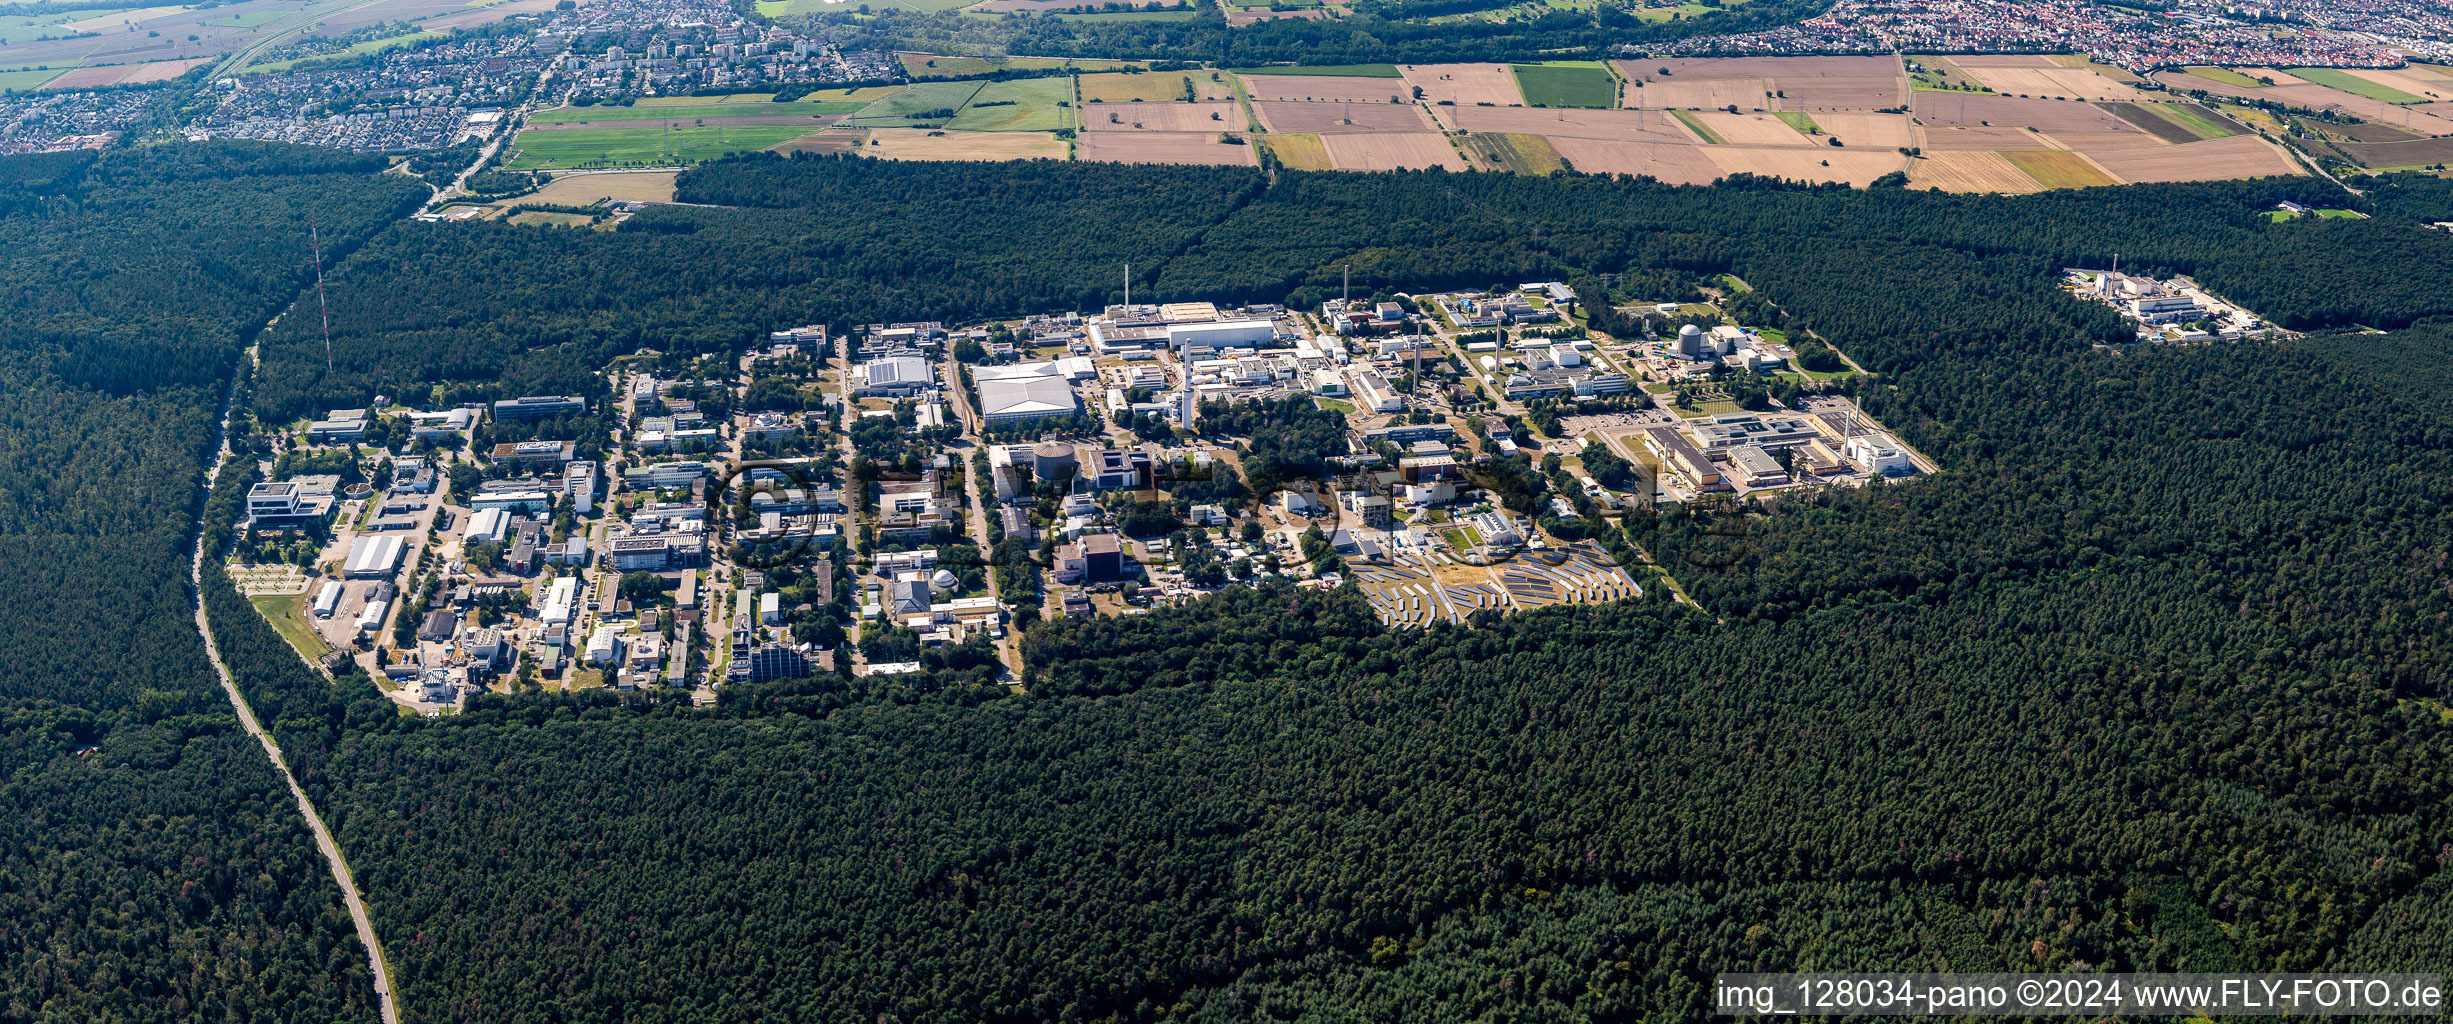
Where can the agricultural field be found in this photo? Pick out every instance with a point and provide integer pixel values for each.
(1567, 84)
(1704, 94)
(1162, 117)
(1465, 85)
(1969, 171)
(2241, 156)
(1154, 87)
(930, 65)
(745, 113)
(2226, 76)
(1799, 120)
(1298, 152)
(559, 148)
(925, 104)
(922, 144)
(1324, 118)
(590, 187)
(2039, 77)
(1022, 105)
(1165, 148)
(2054, 168)
(1676, 163)
(1392, 151)
(2357, 84)
(1743, 129)
(1520, 154)
(1333, 89)
(26, 81)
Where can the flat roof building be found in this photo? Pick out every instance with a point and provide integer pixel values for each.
(1030, 398)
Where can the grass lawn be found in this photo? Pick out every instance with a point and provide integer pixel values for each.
(2055, 168)
(27, 81)
(898, 110)
(2336, 78)
(2226, 76)
(1328, 70)
(1022, 105)
(1567, 84)
(546, 218)
(694, 111)
(2341, 214)
(287, 613)
(603, 147)
(1797, 119)
(1707, 134)
(1303, 152)
(1335, 406)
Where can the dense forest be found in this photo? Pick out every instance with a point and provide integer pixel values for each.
(1371, 32)
(2150, 678)
(152, 866)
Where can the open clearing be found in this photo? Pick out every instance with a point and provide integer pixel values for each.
(1316, 87)
(1162, 148)
(1392, 151)
(830, 141)
(590, 187)
(2054, 168)
(919, 144)
(1464, 84)
(1154, 87)
(1299, 152)
(1566, 84)
(1162, 117)
(2243, 156)
(1673, 162)
(1022, 105)
(1324, 118)
(1748, 129)
(938, 100)
(601, 147)
(1618, 125)
(1694, 94)
(1969, 172)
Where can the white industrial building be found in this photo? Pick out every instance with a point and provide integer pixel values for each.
(371, 557)
(897, 376)
(371, 619)
(1221, 334)
(1027, 398)
(1877, 453)
(491, 524)
(560, 597)
(328, 600)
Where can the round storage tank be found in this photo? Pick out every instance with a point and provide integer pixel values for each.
(1052, 461)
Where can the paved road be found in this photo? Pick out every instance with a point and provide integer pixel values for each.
(247, 717)
(980, 490)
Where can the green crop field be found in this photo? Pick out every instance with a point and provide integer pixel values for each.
(1567, 84)
(2336, 78)
(1709, 136)
(2226, 76)
(1797, 119)
(595, 115)
(899, 110)
(1328, 70)
(2206, 124)
(606, 147)
(1024, 105)
(24, 81)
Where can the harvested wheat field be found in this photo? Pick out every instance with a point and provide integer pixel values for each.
(2241, 156)
(1162, 148)
(2054, 83)
(1750, 129)
(1297, 118)
(1161, 117)
(1323, 87)
(1818, 94)
(1971, 138)
(1866, 131)
(1969, 172)
(838, 140)
(582, 188)
(162, 70)
(2004, 60)
(2318, 97)
(1392, 151)
(1676, 163)
(1153, 87)
(921, 144)
(1464, 84)
(1693, 94)
(2060, 168)
(1617, 125)
(88, 78)
(1762, 67)
(2095, 142)
(1936, 108)
(1801, 164)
